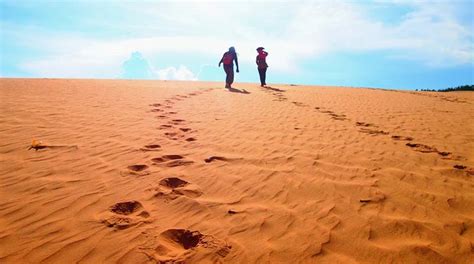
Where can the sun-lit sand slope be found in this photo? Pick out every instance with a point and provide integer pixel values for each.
(150, 171)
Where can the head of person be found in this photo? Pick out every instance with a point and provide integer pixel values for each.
(260, 49)
(232, 49)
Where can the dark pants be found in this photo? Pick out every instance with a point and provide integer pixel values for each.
(263, 75)
(229, 71)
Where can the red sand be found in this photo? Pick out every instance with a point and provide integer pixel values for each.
(149, 171)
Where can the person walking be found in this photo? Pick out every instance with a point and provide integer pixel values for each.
(262, 65)
(228, 60)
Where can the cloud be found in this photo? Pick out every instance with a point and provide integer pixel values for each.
(295, 32)
(137, 67)
(429, 33)
(172, 73)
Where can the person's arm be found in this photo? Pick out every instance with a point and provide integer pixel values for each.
(256, 60)
(265, 60)
(236, 63)
(222, 60)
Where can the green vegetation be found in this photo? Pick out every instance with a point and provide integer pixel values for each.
(451, 89)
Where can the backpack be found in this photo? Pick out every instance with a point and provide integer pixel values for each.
(228, 58)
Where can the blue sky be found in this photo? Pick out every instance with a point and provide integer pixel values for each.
(375, 43)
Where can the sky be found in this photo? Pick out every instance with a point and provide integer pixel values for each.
(399, 44)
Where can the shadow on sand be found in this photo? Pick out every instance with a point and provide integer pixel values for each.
(273, 89)
(233, 90)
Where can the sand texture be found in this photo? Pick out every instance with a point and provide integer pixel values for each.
(188, 172)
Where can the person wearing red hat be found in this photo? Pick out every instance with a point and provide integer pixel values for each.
(262, 65)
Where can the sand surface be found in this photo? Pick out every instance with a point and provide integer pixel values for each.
(150, 171)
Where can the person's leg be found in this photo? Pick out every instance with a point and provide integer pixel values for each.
(227, 76)
(231, 76)
(261, 74)
(264, 76)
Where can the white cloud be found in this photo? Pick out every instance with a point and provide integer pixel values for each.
(172, 73)
(291, 31)
(429, 34)
(138, 67)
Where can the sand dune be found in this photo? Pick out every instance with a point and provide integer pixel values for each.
(156, 171)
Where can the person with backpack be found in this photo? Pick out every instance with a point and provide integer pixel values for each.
(262, 65)
(228, 60)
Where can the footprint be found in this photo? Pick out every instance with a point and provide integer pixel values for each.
(138, 167)
(126, 208)
(173, 194)
(444, 153)
(156, 110)
(213, 158)
(166, 158)
(375, 199)
(299, 104)
(151, 147)
(374, 196)
(364, 124)
(373, 131)
(459, 167)
(155, 105)
(327, 112)
(191, 139)
(402, 138)
(175, 245)
(165, 126)
(177, 163)
(185, 129)
(136, 170)
(174, 135)
(173, 182)
(338, 117)
(125, 215)
(173, 156)
(118, 222)
(171, 160)
(170, 134)
(176, 121)
(177, 187)
(182, 238)
(427, 149)
(421, 147)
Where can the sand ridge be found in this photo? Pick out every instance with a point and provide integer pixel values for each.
(187, 171)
